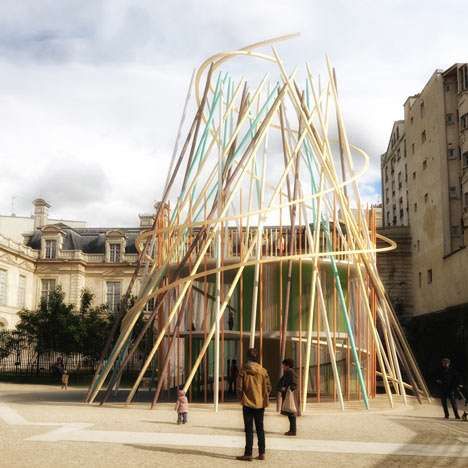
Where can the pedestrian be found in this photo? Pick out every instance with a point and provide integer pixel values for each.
(233, 373)
(449, 381)
(287, 385)
(181, 407)
(65, 380)
(253, 389)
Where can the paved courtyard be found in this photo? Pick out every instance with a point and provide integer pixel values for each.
(42, 426)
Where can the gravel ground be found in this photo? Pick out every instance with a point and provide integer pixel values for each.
(413, 424)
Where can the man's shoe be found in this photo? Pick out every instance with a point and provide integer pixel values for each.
(244, 458)
(289, 433)
(261, 456)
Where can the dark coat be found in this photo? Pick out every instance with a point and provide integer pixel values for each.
(448, 380)
(287, 381)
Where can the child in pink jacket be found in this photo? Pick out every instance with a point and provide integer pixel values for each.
(181, 407)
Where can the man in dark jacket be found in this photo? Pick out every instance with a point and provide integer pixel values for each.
(253, 387)
(448, 380)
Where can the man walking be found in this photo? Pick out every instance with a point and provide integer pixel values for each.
(253, 387)
(448, 380)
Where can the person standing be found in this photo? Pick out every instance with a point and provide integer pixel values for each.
(253, 388)
(448, 380)
(233, 373)
(286, 384)
(65, 380)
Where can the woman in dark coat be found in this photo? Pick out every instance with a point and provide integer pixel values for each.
(288, 382)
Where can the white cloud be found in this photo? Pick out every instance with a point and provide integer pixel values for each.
(99, 86)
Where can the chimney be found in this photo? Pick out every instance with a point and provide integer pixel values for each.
(41, 213)
(146, 220)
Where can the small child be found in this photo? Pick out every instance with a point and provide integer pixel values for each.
(181, 407)
(65, 380)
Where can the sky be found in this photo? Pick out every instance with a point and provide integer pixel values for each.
(91, 91)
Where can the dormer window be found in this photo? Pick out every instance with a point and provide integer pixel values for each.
(116, 241)
(50, 249)
(114, 252)
(51, 241)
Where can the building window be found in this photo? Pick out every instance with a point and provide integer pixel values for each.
(453, 192)
(414, 175)
(426, 197)
(420, 279)
(47, 288)
(462, 78)
(465, 159)
(114, 252)
(411, 119)
(21, 290)
(113, 295)
(423, 136)
(149, 306)
(464, 121)
(412, 148)
(418, 245)
(447, 88)
(3, 287)
(452, 153)
(425, 164)
(415, 207)
(429, 276)
(50, 249)
(450, 119)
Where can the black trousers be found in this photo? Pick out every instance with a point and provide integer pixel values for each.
(251, 415)
(449, 396)
(292, 423)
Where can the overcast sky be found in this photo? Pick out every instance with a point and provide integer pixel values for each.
(91, 91)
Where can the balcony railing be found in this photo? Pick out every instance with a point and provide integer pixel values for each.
(275, 242)
(18, 247)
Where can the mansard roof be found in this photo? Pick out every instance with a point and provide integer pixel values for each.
(88, 240)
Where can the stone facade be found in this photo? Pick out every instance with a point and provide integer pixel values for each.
(395, 269)
(101, 260)
(17, 275)
(435, 131)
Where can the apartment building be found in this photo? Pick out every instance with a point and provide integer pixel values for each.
(394, 167)
(432, 141)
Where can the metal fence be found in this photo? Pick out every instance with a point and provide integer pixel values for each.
(24, 361)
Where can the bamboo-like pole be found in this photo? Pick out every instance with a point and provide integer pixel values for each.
(313, 285)
(241, 289)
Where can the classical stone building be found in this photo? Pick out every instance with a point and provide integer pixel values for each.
(65, 253)
(425, 185)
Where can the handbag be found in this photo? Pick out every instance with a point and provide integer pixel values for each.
(289, 403)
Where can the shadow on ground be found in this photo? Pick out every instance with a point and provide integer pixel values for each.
(182, 451)
(431, 431)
